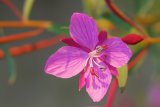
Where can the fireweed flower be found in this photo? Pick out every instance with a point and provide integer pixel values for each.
(93, 55)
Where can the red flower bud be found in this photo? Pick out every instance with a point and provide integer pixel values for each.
(132, 39)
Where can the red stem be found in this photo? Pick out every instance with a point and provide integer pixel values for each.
(122, 16)
(20, 36)
(26, 48)
(111, 93)
(13, 8)
(114, 85)
(137, 58)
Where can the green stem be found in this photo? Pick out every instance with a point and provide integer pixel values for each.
(10, 62)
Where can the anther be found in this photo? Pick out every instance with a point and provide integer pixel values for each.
(100, 48)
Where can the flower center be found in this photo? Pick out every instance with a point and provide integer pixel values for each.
(97, 51)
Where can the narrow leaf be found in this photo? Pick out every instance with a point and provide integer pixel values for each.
(11, 65)
(28, 4)
(59, 28)
(122, 76)
(10, 62)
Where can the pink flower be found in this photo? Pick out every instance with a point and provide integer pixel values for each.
(92, 55)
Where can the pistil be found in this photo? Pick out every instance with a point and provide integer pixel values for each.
(97, 51)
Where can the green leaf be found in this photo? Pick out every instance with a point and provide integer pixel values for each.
(11, 65)
(28, 4)
(59, 28)
(10, 62)
(122, 76)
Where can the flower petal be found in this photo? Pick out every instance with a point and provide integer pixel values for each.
(83, 30)
(68, 61)
(98, 86)
(117, 53)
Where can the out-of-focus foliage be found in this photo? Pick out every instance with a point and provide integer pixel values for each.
(94, 8)
(149, 12)
(104, 24)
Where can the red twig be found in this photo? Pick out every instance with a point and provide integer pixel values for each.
(13, 8)
(26, 48)
(111, 93)
(20, 36)
(122, 16)
(137, 58)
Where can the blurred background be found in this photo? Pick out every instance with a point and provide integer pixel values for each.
(34, 88)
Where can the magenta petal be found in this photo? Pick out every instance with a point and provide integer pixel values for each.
(97, 86)
(102, 37)
(71, 42)
(117, 53)
(82, 81)
(83, 30)
(67, 62)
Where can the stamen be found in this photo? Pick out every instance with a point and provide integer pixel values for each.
(104, 46)
(97, 51)
(86, 64)
(99, 66)
(93, 72)
(103, 69)
(100, 48)
(90, 62)
(93, 53)
(85, 69)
